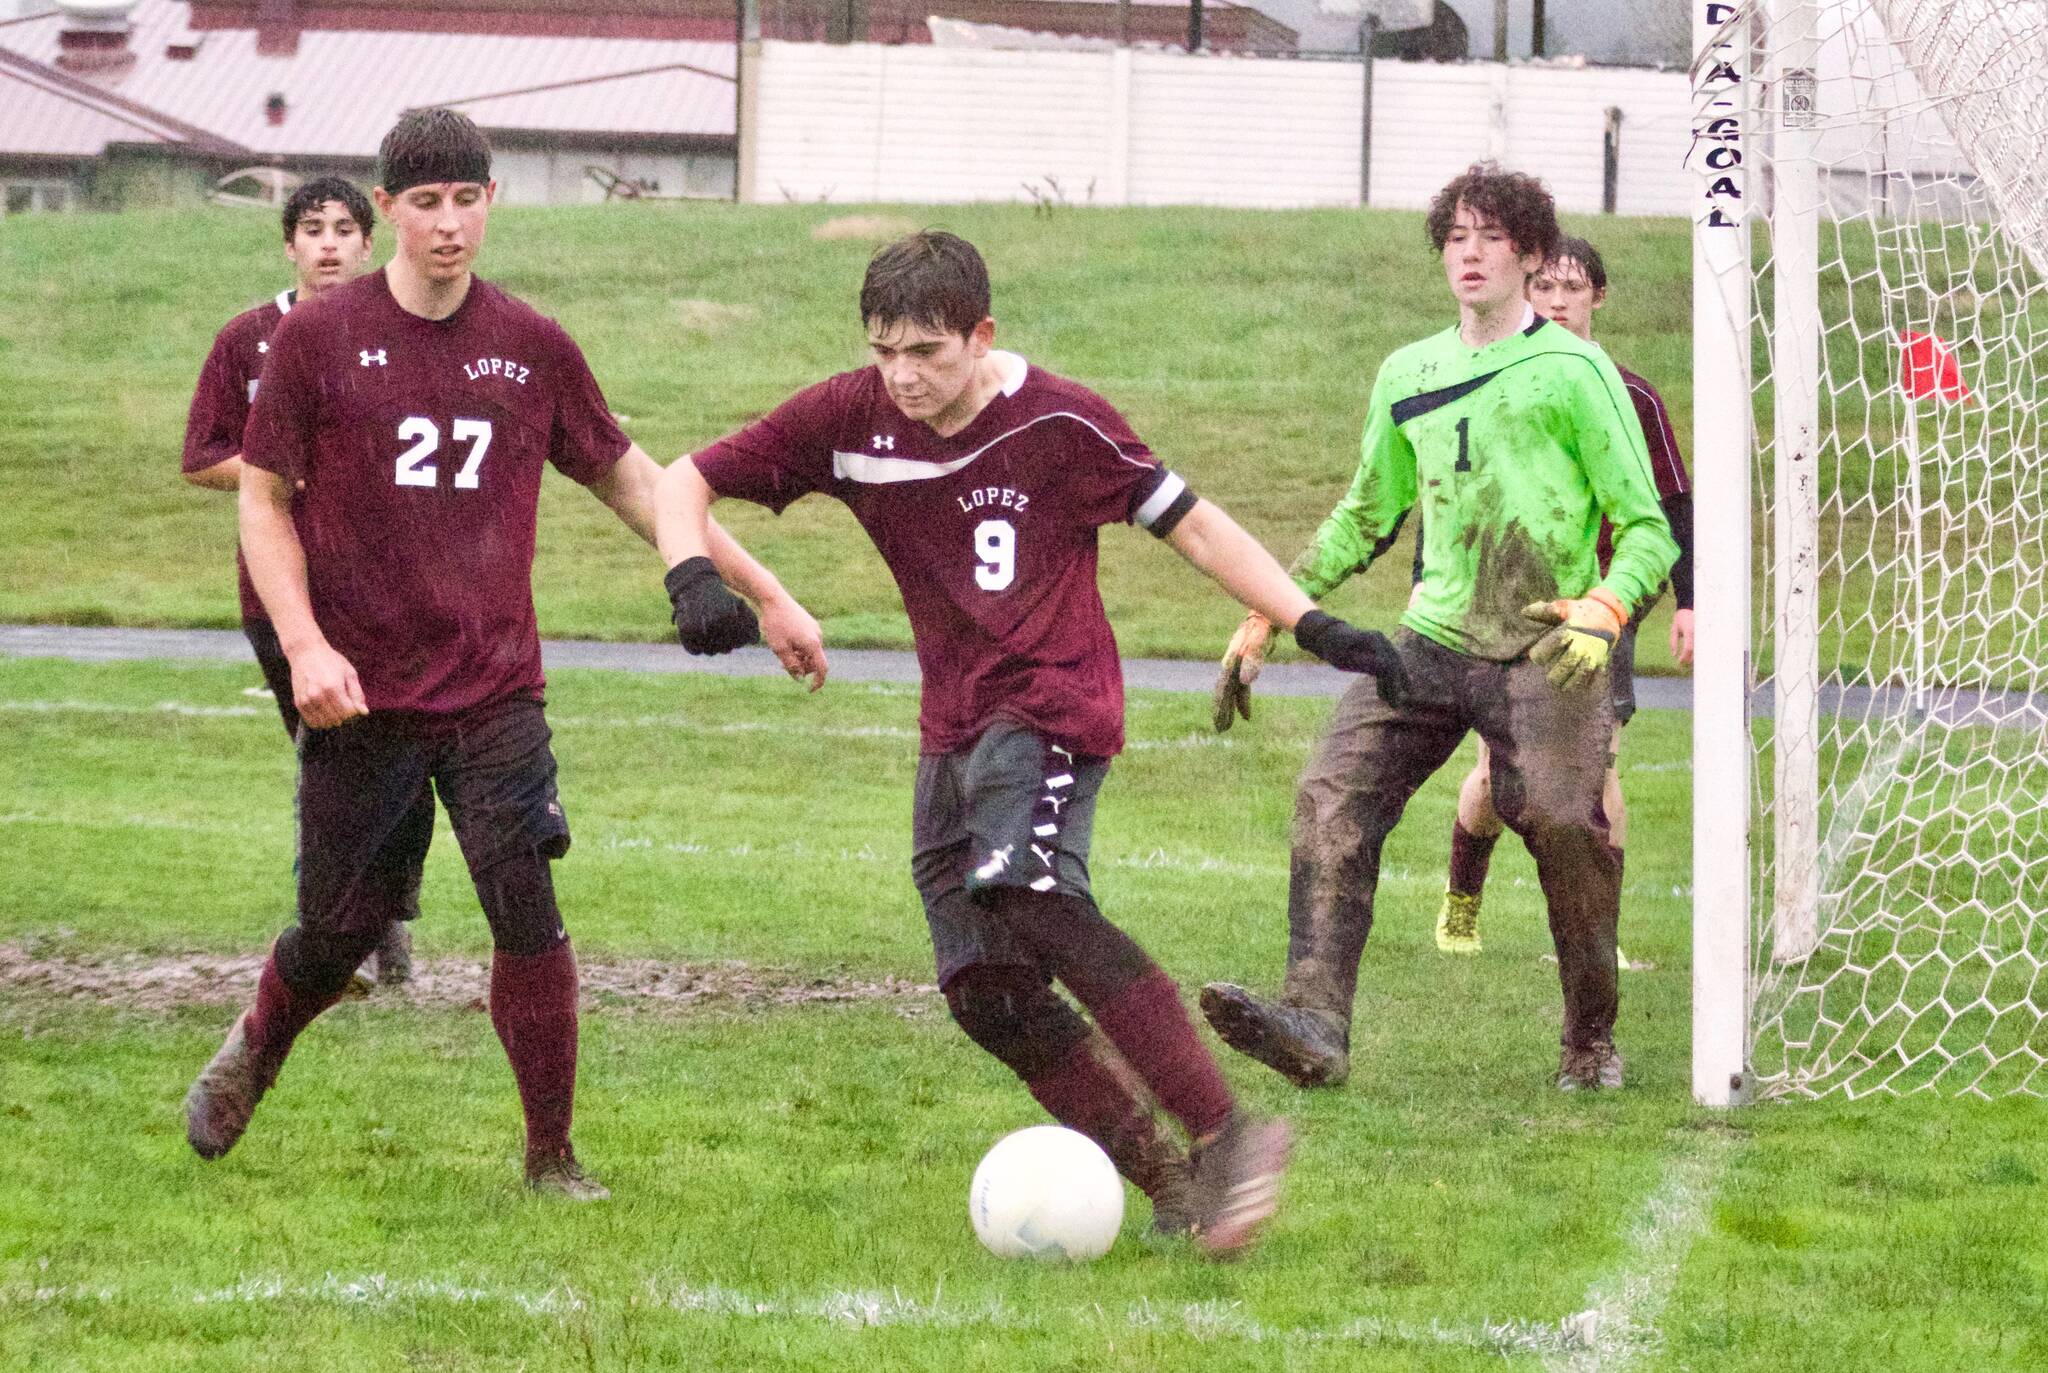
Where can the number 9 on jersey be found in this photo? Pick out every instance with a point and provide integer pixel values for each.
(995, 548)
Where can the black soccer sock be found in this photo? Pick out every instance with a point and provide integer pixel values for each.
(1471, 855)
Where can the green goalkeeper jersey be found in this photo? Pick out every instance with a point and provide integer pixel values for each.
(1513, 452)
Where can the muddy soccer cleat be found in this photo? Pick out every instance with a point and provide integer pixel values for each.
(1173, 1201)
(1589, 1069)
(1236, 1185)
(1308, 1048)
(225, 1093)
(559, 1174)
(394, 955)
(1457, 923)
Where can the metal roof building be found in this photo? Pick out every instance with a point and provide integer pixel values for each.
(656, 110)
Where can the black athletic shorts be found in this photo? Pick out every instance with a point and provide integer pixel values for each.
(1621, 674)
(1015, 810)
(366, 806)
(277, 671)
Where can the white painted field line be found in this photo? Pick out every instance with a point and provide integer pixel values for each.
(679, 724)
(1619, 1324)
(1617, 1328)
(115, 708)
(1208, 1321)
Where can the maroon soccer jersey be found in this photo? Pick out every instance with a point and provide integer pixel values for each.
(990, 535)
(1667, 467)
(221, 401)
(421, 444)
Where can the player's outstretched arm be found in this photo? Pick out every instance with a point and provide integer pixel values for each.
(628, 490)
(632, 490)
(324, 684)
(1240, 564)
(704, 561)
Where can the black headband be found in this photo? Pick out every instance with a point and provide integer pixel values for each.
(453, 165)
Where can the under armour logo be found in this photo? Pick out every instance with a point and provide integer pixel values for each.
(369, 357)
(887, 441)
(263, 345)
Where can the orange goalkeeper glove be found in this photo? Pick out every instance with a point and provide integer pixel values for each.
(1576, 650)
(1241, 663)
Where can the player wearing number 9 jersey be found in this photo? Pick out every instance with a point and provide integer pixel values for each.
(1513, 437)
(983, 479)
(418, 406)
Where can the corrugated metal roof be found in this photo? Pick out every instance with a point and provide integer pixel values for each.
(44, 112)
(343, 89)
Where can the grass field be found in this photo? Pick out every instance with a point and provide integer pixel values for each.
(790, 1120)
(771, 1085)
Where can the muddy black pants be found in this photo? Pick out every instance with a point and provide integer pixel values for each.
(1549, 751)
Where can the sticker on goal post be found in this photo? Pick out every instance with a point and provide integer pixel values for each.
(1799, 99)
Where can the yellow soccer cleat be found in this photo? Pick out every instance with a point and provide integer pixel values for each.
(1457, 923)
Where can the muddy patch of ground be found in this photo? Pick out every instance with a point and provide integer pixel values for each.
(877, 227)
(712, 316)
(162, 982)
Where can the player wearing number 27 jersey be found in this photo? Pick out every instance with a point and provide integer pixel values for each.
(388, 505)
(421, 443)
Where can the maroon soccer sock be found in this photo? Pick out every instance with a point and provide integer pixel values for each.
(1151, 1029)
(533, 1009)
(1470, 856)
(279, 1014)
(1081, 1092)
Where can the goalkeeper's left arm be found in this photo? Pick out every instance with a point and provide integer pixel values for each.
(1617, 466)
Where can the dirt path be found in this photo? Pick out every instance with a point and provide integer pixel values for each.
(139, 982)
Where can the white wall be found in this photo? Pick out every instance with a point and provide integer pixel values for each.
(931, 125)
(555, 176)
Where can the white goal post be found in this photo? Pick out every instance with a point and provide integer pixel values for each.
(1870, 334)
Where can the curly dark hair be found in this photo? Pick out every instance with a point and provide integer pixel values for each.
(1517, 202)
(318, 192)
(933, 279)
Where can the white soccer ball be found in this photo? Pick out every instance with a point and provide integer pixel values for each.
(1046, 1193)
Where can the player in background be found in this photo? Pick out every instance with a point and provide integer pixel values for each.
(418, 406)
(327, 228)
(1567, 291)
(982, 480)
(1514, 437)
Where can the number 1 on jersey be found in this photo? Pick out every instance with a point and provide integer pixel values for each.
(1464, 463)
(995, 545)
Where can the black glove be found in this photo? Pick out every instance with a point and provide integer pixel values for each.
(709, 618)
(1353, 649)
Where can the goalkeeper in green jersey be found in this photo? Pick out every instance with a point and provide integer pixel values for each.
(1569, 290)
(1514, 437)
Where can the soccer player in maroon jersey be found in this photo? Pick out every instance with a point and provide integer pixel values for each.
(1567, 291)
(982, 481)
(327, 228)
(417, 406)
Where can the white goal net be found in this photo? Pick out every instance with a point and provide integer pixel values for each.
(1877, 235)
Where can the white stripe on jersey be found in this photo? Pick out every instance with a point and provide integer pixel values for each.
(284, 302)
(1666, 451)
(1156, 504)
(877, 469)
